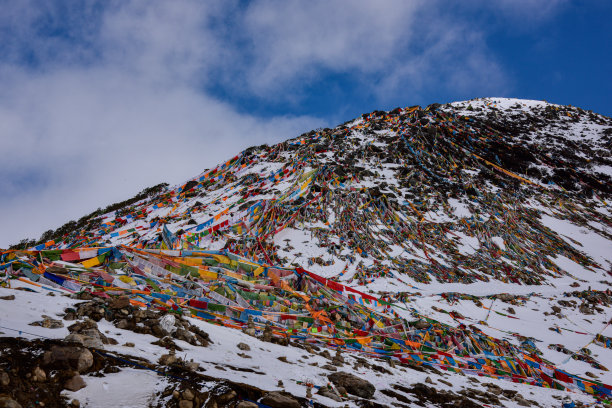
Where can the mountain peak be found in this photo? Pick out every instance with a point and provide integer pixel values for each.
(392, 236)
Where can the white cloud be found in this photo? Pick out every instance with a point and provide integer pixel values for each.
(100, 100)
(294, 39)
(86, 138)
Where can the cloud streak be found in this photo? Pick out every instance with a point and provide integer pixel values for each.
(99, 100)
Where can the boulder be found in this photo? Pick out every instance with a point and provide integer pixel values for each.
(326, 392)
(75, 383)
(168, 359)
(5, 380)
(188, 395)
(39, 375)
(86, 341)
(247, 404)
(119, 303)
(77, 358)
(244, 347)
(8, 402)
(353, 384)
(48, 323)
(279, 400)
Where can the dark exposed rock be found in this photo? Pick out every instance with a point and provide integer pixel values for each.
(280, 400)
(75, 383)
(353, 384)
(76, 358)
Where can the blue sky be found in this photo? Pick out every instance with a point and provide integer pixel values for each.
(101, 99)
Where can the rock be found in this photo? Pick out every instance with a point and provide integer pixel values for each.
(275, 399)
(188, 395)
(250, 328)
(84, 295)
(119, 303)
(185, 335)
(428, 380)
(505, 297)
(246, 404)
(168, 359)
(129, 344)
(493, 388)
(584, 309)
(5, 380)
(353, 384)
(511, 310)
(83, 325)
(92, 341)
(326, 392)
(556, 309)
(75, 383)
(8, 402)
(192, 366)
(77, 358)
(75, 403)
(185, 404)
(445, 382)
(48, 323)
(122, 324)
(421, 325)
(227, 397)
(267, 333)
(9, 297)
(329, 367)
(87, 334)
(521, 401)
(39, 375)
(244, 347)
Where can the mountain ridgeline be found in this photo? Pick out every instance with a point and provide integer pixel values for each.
(461, 192)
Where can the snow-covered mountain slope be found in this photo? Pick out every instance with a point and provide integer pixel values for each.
(486, 220)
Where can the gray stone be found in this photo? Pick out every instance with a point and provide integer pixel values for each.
(119, 303)
(78, 358)
(326, 392)
(277, 400)
(39, 375)
(48, 323)
(75, 383)
(8, 402)
(168, 359)
(188, 395)
(353, 384)
(246, 404)
(5, 380)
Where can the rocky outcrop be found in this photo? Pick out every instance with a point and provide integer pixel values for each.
(353, 384)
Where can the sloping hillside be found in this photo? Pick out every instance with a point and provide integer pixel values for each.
(419, 244)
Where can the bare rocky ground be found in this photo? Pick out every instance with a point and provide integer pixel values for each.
(35, 372)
